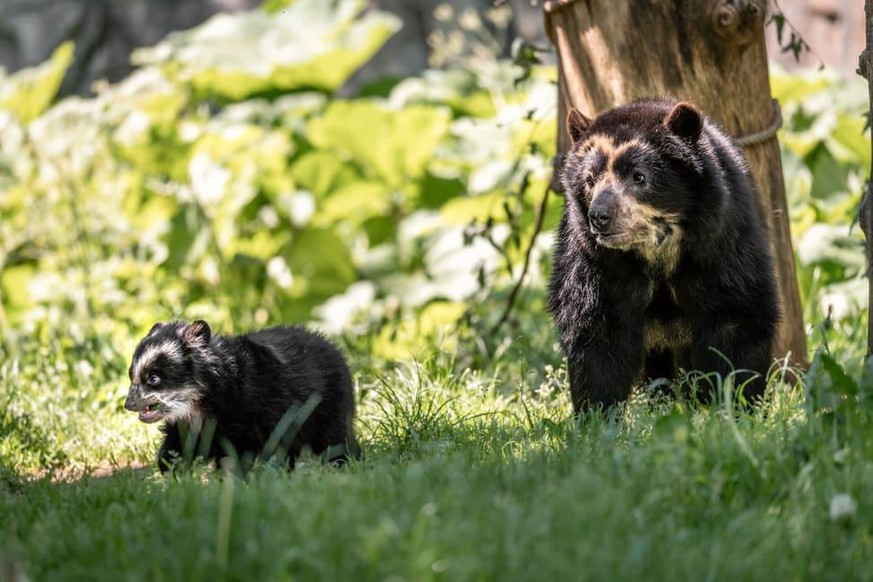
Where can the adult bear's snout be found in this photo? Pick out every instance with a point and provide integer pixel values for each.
(602, 212)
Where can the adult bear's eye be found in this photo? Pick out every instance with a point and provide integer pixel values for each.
(589, 180)
(639, 178)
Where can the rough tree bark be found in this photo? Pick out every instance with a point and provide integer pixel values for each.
(710, 52)
(865, 215)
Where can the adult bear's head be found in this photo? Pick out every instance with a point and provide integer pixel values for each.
(631, 176)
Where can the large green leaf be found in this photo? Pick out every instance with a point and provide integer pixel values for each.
(14, 286)
(323, 173)
(391, 145)
(828, 178)
(320, 263)
(311, 44)
(31, 91)
(356, 202)
(849, 142)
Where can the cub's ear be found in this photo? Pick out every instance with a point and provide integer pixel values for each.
(155, 328)
(685, 121)
(577, 124)
(197, 332)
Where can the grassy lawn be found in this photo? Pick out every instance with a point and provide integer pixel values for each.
(465, 477)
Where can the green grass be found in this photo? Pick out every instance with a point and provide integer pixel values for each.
(465, 477)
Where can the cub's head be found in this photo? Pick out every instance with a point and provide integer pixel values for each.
(165, 372)
(631, 175)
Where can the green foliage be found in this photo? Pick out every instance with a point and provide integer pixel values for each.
(223, 179)
(392, 147)
(30, 92)
(314, 44)
(826, 156)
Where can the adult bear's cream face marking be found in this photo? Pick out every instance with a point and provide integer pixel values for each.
(613, 191)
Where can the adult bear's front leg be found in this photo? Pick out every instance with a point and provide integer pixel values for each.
(604, 365)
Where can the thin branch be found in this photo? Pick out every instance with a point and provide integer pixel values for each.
(797, 42)
(538, 227)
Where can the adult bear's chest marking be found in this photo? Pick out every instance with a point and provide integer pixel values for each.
(663, 325)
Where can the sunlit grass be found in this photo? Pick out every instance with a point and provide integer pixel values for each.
(466, 475)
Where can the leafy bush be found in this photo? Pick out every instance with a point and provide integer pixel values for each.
(825, 154)
(224, 179)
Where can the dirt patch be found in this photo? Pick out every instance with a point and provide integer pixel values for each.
(104, 469)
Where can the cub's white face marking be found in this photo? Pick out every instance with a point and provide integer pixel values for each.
(179, 403)
(171, 404)
(168, 348)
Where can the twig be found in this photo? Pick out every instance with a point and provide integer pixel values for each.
(538, 226)
(797, 42)
(485, 233)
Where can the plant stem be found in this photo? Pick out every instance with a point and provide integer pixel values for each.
(538, 226)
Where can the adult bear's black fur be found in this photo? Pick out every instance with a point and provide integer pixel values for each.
(272, 391)
(661, 254)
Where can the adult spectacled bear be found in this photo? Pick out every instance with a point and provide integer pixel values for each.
(662, 260)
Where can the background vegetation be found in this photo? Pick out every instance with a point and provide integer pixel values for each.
(224, 179)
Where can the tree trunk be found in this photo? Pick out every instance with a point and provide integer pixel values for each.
(865, 215)
(709, 52)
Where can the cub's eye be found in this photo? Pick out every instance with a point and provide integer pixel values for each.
(153, 380)
(589, 180)
(639, 178)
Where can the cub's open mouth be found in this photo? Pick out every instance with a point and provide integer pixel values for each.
(151, 413)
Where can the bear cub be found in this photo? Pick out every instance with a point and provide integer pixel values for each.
(273, 391)
(661, 255)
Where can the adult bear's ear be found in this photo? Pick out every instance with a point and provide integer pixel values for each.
(155, 328)
(577, 125)
(197, 332)
(685, 121)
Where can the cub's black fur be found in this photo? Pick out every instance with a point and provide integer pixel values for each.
(661, 254)
(281, 388)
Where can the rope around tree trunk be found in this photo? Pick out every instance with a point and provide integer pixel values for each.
(765, 134)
